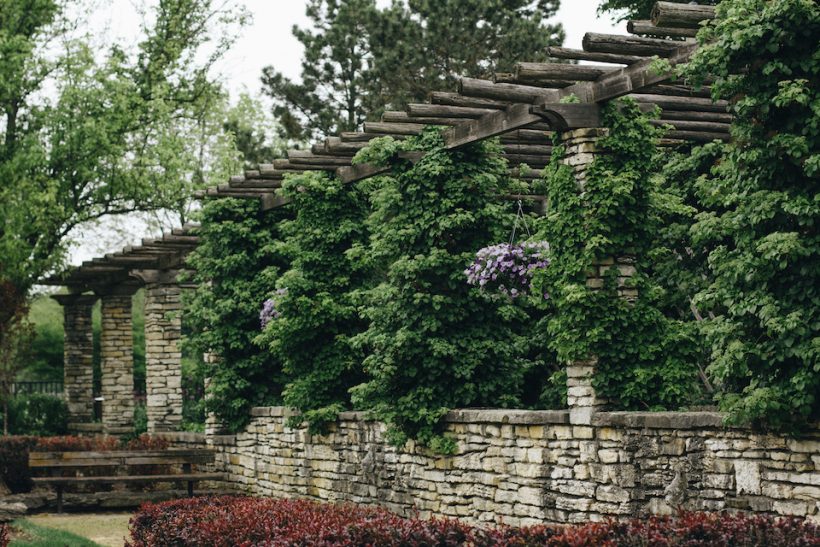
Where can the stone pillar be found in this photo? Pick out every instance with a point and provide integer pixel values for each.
(78, 351)
(163, 357)
(117, 352)
(583, 402)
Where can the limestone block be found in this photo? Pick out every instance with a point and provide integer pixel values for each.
(747, 477)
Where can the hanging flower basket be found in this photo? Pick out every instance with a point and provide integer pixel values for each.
(507, 268)
(269, 311)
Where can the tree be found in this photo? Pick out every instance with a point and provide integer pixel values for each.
(254, 131)
(623, 10)
(759, 211)
(85, 136)
(361, 60)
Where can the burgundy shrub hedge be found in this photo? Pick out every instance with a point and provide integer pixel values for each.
(242, 521)
(14, 450)
(4, 535)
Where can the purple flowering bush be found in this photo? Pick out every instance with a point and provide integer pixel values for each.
(269, 311)
(508, 268)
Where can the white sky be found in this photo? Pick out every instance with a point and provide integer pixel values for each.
(267, 40)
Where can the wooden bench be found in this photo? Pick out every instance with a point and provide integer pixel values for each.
(67, 467)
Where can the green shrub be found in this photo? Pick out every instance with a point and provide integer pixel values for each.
(434, 341)
(760, 212)
(37, 414)
(237, 263)
(316, 311)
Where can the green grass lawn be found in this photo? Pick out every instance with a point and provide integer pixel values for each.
(71, 530)
(27, 534)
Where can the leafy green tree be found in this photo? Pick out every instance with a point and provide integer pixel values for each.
(331, 96)
(423, 45)
(760, 213)
(361, 60)
(317, 315)
(107, 141)
(254, 131)
(436, 342)
(237, 263)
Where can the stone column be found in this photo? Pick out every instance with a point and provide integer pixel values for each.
(78, 350)
(163, 357)
(583, 402)
(117, 352)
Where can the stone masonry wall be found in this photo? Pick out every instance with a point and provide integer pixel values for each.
(117, 363)
(527, 467)
(163, 356)
(77, 356)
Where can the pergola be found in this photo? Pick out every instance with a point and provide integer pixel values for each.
(525, 109)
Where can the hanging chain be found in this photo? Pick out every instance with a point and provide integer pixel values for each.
(519, 215)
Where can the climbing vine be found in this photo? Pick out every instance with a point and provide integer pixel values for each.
(316, 314)
(237, 262)
(435, 342)
(759, 211)
(644, 358)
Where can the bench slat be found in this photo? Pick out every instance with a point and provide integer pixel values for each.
(118, 462)
(130, 457)
(132, 478)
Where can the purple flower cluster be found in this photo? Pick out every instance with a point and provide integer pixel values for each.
(508, 268)
(269, 311)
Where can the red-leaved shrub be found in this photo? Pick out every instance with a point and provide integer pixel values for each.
(4, 535)
(242, 521)
(14, 451)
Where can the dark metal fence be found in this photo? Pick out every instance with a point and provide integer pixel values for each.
(47, 388)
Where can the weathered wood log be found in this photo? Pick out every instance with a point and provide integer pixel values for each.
(569, 116)
(720, 117)
(394, 128)
(558, 71)
(264, 184)
(312, 159)
(454, 99)
(509, 78)
(677, 90)
(527, 136)
(539, 160)
(581, 55)
(528, 149)
(682, 103)
(445, 111)
(685, 125)
(473, 87)
(672, 14)
(286, 165)
(699, 136)
(647, 28)
(629, 45)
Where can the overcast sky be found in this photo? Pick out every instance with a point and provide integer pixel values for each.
(267, 40)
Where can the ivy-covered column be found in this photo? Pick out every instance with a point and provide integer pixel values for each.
(78, 348)
(163, 356)
(117, 356)
(580, 151)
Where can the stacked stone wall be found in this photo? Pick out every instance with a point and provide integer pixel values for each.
(117, 356)
(78, 350)
(527, 467)
(163, 356)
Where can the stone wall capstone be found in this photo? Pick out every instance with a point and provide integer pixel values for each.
(528, 467)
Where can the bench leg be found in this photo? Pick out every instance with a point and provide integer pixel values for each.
(190, 489)
(59, 498)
